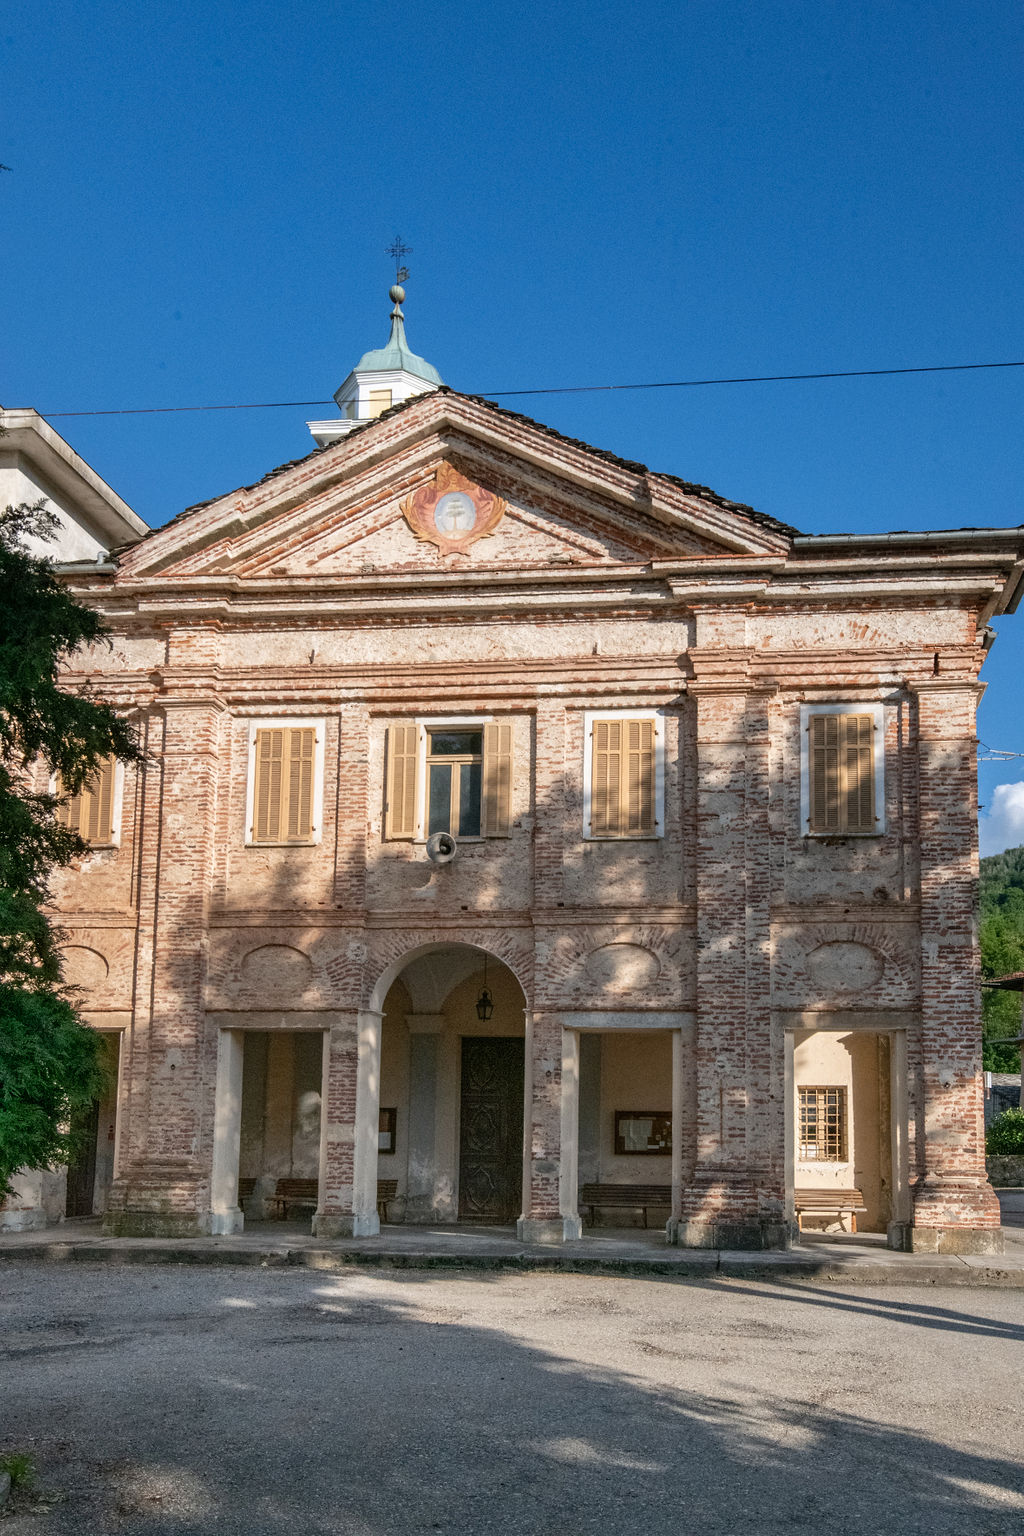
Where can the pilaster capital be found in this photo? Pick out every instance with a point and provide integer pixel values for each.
(930, 686)
(425, 1023)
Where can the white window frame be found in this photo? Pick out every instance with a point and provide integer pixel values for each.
(877, 712)
(116, 805)
(423, 726)
(658, 716)
(286, 723)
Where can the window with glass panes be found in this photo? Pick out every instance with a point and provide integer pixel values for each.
(448, 776)
(455, 760)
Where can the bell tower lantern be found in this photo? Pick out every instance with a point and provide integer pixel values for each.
(381, 378)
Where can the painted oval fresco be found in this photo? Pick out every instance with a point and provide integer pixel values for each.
(842, 966)
(621, 968)
(276, 971)
(84, 967)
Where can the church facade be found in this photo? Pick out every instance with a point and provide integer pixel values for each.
(519, 827)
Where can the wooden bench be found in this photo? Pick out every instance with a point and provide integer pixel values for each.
(828, 1202)
(303, 1193)
(293, 1192)
(633, 1197)
(245, 1191)
(387, 1190)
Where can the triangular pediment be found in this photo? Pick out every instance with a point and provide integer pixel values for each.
(446, 481)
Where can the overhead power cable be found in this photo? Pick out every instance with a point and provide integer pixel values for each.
(559, 389)
(996, 754)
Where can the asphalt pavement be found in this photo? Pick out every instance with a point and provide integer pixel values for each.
(169, 1399)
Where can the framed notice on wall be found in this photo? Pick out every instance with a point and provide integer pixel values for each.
(643, 1132)
(386, 1130)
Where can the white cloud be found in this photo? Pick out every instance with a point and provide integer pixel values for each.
(1003, 827)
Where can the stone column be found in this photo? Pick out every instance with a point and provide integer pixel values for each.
(955, 1207)
(899, 1120)
(163, 1184)
(737, 1195)
(678, 1118)
(789, 1123)
(590, 1108)
(425, 1200)
(279, 1105)
(569, 1138)
(225, 1213)
(347, 1204)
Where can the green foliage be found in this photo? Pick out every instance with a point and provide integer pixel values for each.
(48, 1059)
(1002, 953)
(20, 1468)
(1005, 1136)
(48, 1067)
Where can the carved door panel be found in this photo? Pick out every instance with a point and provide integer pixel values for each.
(491, 1130)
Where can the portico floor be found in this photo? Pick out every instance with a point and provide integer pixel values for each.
(861, 1258)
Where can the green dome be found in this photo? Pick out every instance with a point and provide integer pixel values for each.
(396, 355)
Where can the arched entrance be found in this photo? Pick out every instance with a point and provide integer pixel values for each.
(452, 1088)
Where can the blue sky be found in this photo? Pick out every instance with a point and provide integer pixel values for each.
(201, 195)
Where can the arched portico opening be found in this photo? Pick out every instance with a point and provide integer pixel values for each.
(452, 1087)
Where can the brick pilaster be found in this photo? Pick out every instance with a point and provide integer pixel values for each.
(338, 1127)
(737, 1194)
(955, 1207)
(541, 1219)
(164, 1180)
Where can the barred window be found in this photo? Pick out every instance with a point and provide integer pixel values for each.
(822, 1125)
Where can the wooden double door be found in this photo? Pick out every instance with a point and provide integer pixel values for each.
(491, 1129)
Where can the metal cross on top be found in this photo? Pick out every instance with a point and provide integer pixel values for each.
(397, 251)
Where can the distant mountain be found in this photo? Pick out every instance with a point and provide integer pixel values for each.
(1002, 952)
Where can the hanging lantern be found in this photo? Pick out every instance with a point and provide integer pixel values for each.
(484, 1003)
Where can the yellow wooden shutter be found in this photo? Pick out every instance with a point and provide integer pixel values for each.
(400, 811)
(301, 762)
(497, 774)
(606, 778)
(380, 401)
(100, 791)
(842, 773)
(284, 784)
(823, 764)
(90, 813)
(858, 772)
(268, 785)
(637, 817)
(70, 813)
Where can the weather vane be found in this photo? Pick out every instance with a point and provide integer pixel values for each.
(397, 251)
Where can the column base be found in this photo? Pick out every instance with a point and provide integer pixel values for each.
(753, 1235)
(24, 1221)
(345, 1224)
(554, 1229)
(226, 1223)
(946, 1204)
(907, 1238)
(157, 1224)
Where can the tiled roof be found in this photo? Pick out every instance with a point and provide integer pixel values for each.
(690, 489)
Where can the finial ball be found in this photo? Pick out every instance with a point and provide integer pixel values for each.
(396, 293)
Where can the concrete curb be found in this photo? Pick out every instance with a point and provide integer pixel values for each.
(900, 1269)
